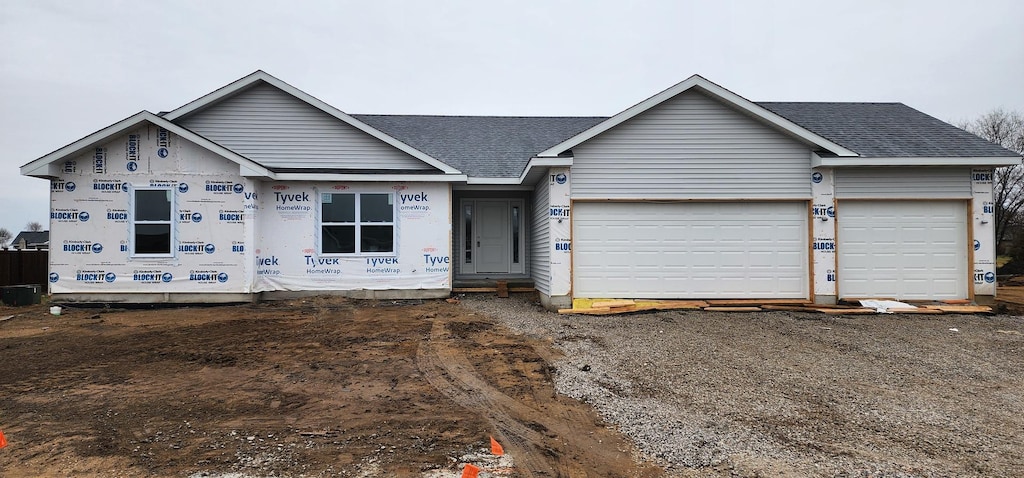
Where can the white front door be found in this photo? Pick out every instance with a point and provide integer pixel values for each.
(492, 236)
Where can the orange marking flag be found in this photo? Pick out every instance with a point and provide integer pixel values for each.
(3, 441)
(496, 448)
(470, 471)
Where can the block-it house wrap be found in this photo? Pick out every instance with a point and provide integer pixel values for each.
(560, 231)
(288, 256)
(983, 230)
(823, 231)
(91, 214)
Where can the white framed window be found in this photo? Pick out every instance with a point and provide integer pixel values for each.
(357, 223)
(152, 222)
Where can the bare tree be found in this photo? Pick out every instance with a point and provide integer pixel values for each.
(5, 236)
(34, 226)
(1005, 128)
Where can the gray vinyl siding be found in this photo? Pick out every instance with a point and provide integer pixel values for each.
(691, 147)
(278, 130)
(540, 244)
(903, 183)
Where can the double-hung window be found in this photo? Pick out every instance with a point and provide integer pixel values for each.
(357, 223)
(152, 222)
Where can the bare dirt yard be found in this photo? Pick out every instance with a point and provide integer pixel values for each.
(316, 387)
(330, 387)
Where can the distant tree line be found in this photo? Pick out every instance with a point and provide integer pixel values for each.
(1006, 128)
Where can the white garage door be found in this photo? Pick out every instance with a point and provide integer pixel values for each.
(690, 250)
(902, 249)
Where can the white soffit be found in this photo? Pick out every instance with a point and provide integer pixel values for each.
(817, 161)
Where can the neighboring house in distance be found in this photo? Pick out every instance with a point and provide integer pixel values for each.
(31, 240)
(259, 190)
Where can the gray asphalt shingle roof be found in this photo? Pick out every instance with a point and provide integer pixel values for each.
(481, 146)
(886, 130)
(32, 237)
(501, 146)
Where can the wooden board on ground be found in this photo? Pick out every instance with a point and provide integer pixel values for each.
(756, 302)
(913, 310)
(680, 304)
(844, 311)
(961, 309)
(957, 301)
(612, 303)
(789, 308)
(732, 309)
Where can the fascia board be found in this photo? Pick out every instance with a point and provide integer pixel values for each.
(931, 161)
(314, 102)
(407, 178)
(536, 162)
(696, 81)
(42, 166)
(495, 181)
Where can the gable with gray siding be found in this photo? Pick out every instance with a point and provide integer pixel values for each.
(280, 131)
(691, 147)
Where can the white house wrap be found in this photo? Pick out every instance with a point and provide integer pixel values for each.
(288, 258)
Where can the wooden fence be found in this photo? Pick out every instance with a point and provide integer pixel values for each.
(24, 267)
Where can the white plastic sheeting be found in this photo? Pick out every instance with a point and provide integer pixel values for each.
(216, 215)
(91, 213)
(288, 257)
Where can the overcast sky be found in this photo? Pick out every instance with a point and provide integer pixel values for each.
(70, 68)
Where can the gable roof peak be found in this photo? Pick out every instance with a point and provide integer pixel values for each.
(260, 76)
(715, 91)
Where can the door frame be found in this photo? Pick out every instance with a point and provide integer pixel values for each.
(467, 234)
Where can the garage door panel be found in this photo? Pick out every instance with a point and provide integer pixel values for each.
(902, 249)
(676, 250)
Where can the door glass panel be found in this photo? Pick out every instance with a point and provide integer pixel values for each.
(468, 226)
(515, 234)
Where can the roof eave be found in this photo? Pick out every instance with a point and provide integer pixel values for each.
(722, 94)
(263, 76)
(47, 167)
(836, 162)
(397, 177)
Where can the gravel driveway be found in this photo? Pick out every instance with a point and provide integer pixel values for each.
(795, 394)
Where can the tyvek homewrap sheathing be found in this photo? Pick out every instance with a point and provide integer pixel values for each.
(90, 216)
(983, 229)
(288, 228)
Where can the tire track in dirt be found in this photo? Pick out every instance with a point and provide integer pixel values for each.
(558, 438)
